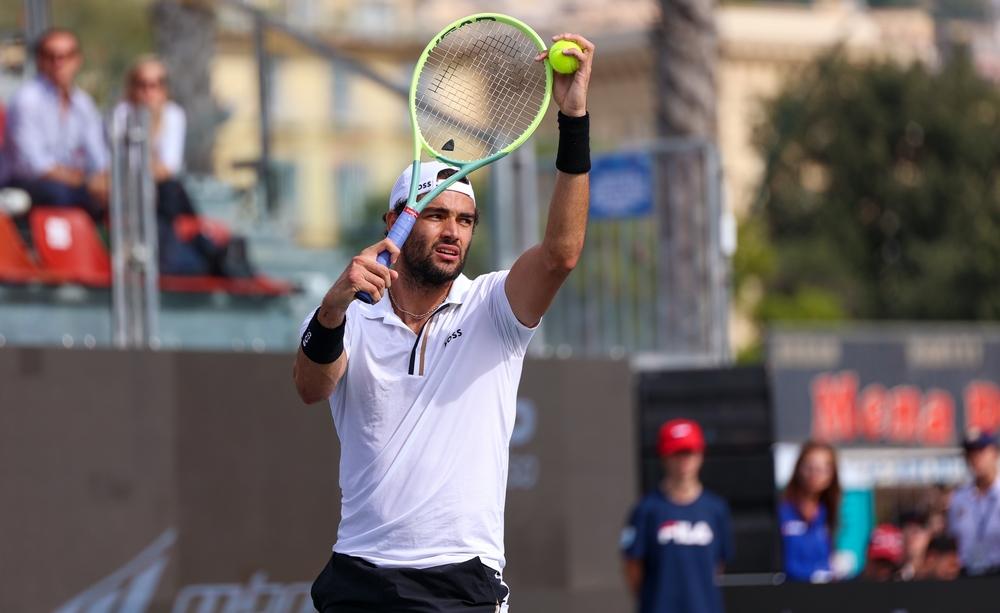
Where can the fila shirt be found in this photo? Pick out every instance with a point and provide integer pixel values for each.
(681, 548)
(424, 422)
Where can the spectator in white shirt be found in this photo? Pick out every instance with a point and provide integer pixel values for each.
(146, 88)
(196, 254)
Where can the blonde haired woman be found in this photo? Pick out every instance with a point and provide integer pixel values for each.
(146, 87)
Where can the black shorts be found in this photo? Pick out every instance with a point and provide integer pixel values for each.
(352, 585)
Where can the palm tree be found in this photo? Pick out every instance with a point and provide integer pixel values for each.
(184, 33)
(686, 49)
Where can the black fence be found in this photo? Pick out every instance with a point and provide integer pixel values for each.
(981, 595)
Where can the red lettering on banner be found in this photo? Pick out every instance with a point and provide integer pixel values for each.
(937, 421)
(904, 413)
(871, 412)
(833, 398)
(982, 406)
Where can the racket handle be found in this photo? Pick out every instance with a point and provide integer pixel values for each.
(383, 259)
(397, 234)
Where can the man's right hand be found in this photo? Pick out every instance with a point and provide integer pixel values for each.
(316, 382)
(99, 189)
(363, 274)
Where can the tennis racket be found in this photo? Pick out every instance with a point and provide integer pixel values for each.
(476, 95)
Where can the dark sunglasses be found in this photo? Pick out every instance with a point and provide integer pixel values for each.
(147, 83)
(56, 57)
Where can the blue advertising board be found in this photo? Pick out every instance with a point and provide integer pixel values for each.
(621, 186)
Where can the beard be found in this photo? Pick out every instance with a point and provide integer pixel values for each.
(418, 254)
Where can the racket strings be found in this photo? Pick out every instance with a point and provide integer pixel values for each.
(517, 82)
(479, 90)
(459, 88)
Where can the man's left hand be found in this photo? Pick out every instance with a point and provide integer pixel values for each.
(570, 90)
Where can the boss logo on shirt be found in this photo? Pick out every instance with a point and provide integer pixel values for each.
(685, 533)
(453, 336)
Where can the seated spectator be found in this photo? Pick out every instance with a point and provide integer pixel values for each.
(916, 536)
(974, 516)
(146, 87)
(941, 560)
(885, 553)
(3, 133)
(54, 147)
(809, 514)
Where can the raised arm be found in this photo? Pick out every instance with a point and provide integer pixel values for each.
(321, 361)
(538, 274)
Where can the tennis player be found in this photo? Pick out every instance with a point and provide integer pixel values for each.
(422, 387)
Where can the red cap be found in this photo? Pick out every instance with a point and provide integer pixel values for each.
(680, 435)
(886, 544)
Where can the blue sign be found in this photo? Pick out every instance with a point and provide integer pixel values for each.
(621, 186)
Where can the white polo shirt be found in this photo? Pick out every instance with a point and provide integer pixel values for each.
(974, 521)
(424, 423)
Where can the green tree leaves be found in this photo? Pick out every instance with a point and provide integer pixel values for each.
(880, 198)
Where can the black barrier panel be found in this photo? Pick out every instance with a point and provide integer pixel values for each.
(962, 596)
(732, 406)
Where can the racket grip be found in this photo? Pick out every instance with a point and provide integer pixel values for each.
(397, 234)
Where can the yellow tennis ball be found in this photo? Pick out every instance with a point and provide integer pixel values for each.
(565, 64)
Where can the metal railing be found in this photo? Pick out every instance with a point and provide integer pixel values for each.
(652, 286)
(135, 296)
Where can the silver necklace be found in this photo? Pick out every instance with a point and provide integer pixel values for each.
(414, 315)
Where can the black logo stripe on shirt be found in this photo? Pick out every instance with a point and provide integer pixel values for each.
(423, 349)
(416, 343)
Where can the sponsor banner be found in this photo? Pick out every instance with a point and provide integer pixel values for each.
(621, 186)
(885, 386)
(131, 589)
(864, 469)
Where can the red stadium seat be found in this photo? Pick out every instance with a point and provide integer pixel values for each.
(16, 263)
(68, 246)
(186, 227)
(71, 250)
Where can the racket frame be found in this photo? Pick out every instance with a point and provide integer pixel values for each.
(407, 218)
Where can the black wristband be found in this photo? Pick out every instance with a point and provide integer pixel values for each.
(573, 156)
(321, 344)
